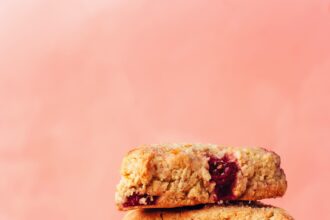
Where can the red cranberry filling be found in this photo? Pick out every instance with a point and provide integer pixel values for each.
(134, 200)
(223, 172)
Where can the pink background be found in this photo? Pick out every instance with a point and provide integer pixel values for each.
(81, 82)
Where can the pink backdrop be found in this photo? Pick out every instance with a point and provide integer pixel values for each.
(83, 81)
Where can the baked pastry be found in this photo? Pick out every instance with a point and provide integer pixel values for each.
(240, 211)
(175, 175)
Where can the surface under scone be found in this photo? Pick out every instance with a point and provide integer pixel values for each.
(254, 211)
(175, 175)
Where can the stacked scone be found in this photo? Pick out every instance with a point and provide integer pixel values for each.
(196, 181)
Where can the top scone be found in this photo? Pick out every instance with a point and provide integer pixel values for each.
(174, 175)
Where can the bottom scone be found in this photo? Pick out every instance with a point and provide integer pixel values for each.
(232, 211)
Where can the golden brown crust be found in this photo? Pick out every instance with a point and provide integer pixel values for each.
(177, 174)
(212, 212)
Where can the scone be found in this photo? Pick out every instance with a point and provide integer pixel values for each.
(175, 175)
(254, 211)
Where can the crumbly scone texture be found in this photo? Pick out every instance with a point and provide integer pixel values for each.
(212, 212)
(178, 174)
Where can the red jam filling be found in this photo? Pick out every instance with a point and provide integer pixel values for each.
(134, 200)
(223, 172)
